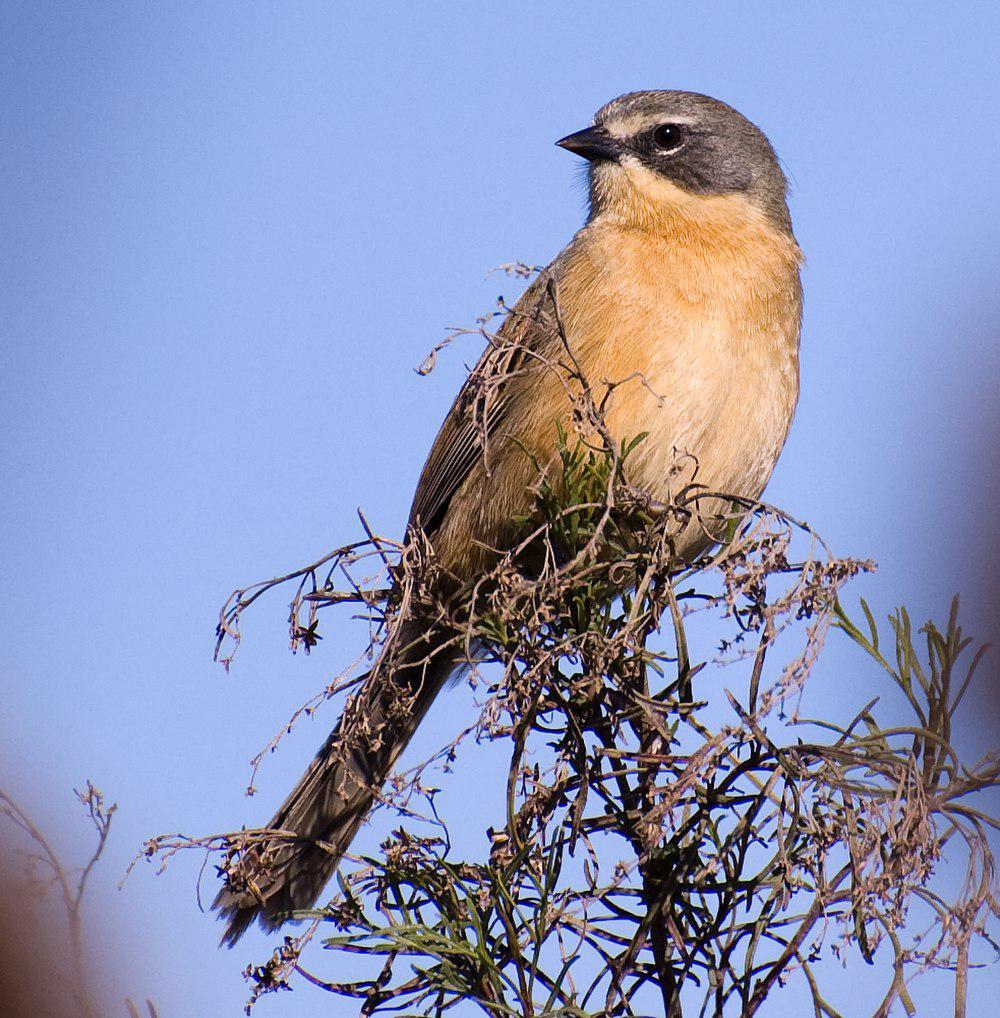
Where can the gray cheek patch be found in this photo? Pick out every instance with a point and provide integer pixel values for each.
(703, 166)
(718, 167)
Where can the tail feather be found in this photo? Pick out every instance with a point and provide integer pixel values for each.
(335, 794)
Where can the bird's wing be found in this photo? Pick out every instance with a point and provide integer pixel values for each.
(528, 338)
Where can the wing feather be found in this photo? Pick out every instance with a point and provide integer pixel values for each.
(483, 403)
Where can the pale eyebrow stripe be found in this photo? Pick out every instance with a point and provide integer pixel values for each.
(629, 126)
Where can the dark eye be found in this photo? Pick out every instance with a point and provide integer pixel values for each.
(668, 137)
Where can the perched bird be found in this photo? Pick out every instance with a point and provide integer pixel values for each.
(682, 289)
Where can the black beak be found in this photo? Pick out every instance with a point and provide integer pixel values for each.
(594, 144)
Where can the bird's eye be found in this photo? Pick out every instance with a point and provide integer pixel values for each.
(668, 137)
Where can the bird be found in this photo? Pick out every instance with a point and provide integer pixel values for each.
(682, 294)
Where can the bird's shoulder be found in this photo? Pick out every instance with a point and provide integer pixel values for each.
(528, 339)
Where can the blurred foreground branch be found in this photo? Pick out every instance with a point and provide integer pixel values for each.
(25, 988)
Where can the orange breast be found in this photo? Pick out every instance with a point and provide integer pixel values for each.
(693, 336)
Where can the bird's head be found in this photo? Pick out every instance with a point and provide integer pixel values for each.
(653, 154)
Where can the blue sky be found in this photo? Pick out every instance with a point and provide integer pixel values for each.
(230, 233)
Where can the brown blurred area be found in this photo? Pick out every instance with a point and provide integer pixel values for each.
(987, 538)
(34, 952)
(61, 953)
(946, 509)
(977, 471)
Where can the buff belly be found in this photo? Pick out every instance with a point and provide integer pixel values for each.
(699, 353)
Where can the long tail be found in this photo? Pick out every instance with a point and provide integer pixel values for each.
(333, 797)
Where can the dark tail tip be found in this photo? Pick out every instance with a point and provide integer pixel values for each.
(238, 915)
(237, 923)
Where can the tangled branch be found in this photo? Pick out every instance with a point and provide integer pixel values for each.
(658, 853)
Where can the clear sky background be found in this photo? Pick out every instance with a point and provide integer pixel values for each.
(230, 232)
